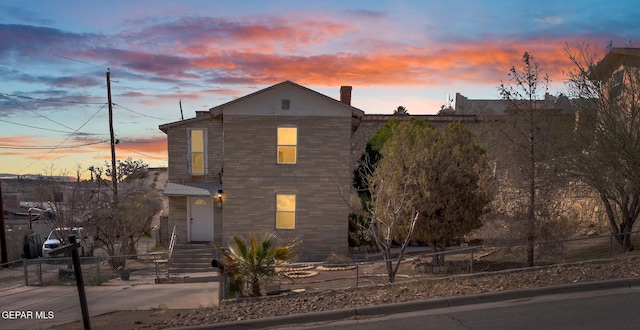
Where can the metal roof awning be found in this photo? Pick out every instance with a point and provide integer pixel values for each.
(192, 189)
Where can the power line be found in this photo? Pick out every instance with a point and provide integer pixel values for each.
(140, 142)
(143, 154)
(65, 140)
(51, 147)
(37, 114)
(138, 113)
(35, 127)
(47, 100)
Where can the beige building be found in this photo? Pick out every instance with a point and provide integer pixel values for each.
(271, 161)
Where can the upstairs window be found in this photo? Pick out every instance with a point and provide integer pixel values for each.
(616, 83)
(197, 155)
(287, 145)
(285, 211)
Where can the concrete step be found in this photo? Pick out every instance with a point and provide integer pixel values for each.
(192, 263)
(193, 252)
(195, 246)
(182, 270)
(197, 263)
(188, 278)
(191, 260)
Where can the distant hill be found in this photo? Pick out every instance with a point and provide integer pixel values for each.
(9, 176)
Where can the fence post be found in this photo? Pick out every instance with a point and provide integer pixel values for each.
(471, 263)
(26, 273)
(610, 244)
(98, 270)
(357, 274)
(223, 284)
(40, 273)
(155, 261)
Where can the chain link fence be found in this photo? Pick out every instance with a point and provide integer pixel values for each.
(419, 262)
(95, 270)
(148, 265)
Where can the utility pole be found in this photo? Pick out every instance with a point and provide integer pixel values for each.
(181, 115)
(114, 176)
(3, 236)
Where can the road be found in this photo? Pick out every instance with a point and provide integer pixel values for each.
(604, 309)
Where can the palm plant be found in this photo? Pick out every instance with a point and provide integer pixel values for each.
(253, 260)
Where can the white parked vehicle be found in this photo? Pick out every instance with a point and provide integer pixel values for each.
(54, 241)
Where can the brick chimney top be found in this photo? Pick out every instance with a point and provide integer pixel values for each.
(345, 94)
(202, 114)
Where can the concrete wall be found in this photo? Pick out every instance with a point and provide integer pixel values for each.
(15, 243)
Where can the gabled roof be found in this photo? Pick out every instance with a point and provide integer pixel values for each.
(614, 57)
(286, 82)
(199, 117)
(356, 114)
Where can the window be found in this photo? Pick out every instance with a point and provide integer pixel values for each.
(616, 83)
(286, 103)
(198, 161)
(285, 211)
(287, 145)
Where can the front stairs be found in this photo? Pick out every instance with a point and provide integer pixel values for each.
(191, 262)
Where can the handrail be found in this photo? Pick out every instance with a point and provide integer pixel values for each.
(172, 242)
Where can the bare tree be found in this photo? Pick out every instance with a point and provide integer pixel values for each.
(62, 205)
(529, 130)
(606, 141)
(63, 202)
(388, 210)
(120, 226)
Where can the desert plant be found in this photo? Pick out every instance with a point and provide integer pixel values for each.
(253, 260)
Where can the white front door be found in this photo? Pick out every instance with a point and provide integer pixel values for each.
(200, 221)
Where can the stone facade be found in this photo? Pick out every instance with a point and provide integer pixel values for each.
(177, 142)
(242, 159)
(252, 178)
(241, 148)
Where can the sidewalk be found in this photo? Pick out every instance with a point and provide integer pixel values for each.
(44, 307)
(297, 321)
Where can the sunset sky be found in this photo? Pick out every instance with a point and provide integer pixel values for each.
(54, 56)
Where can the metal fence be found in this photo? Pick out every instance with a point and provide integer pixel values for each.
(420, 262)
(369, 269)
(95, 270)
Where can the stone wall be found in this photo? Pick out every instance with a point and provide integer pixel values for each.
(576, 203)
(177, 145)
(252, 178)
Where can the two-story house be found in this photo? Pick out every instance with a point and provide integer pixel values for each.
(271, 161)
(621, 66)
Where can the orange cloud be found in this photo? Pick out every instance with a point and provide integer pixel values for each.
(479, 62)
(199, 36)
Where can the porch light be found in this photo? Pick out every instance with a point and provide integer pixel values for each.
(219, 197)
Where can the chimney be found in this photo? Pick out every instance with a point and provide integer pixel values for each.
(345, 94)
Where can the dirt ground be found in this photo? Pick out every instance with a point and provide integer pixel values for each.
(418, 288)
